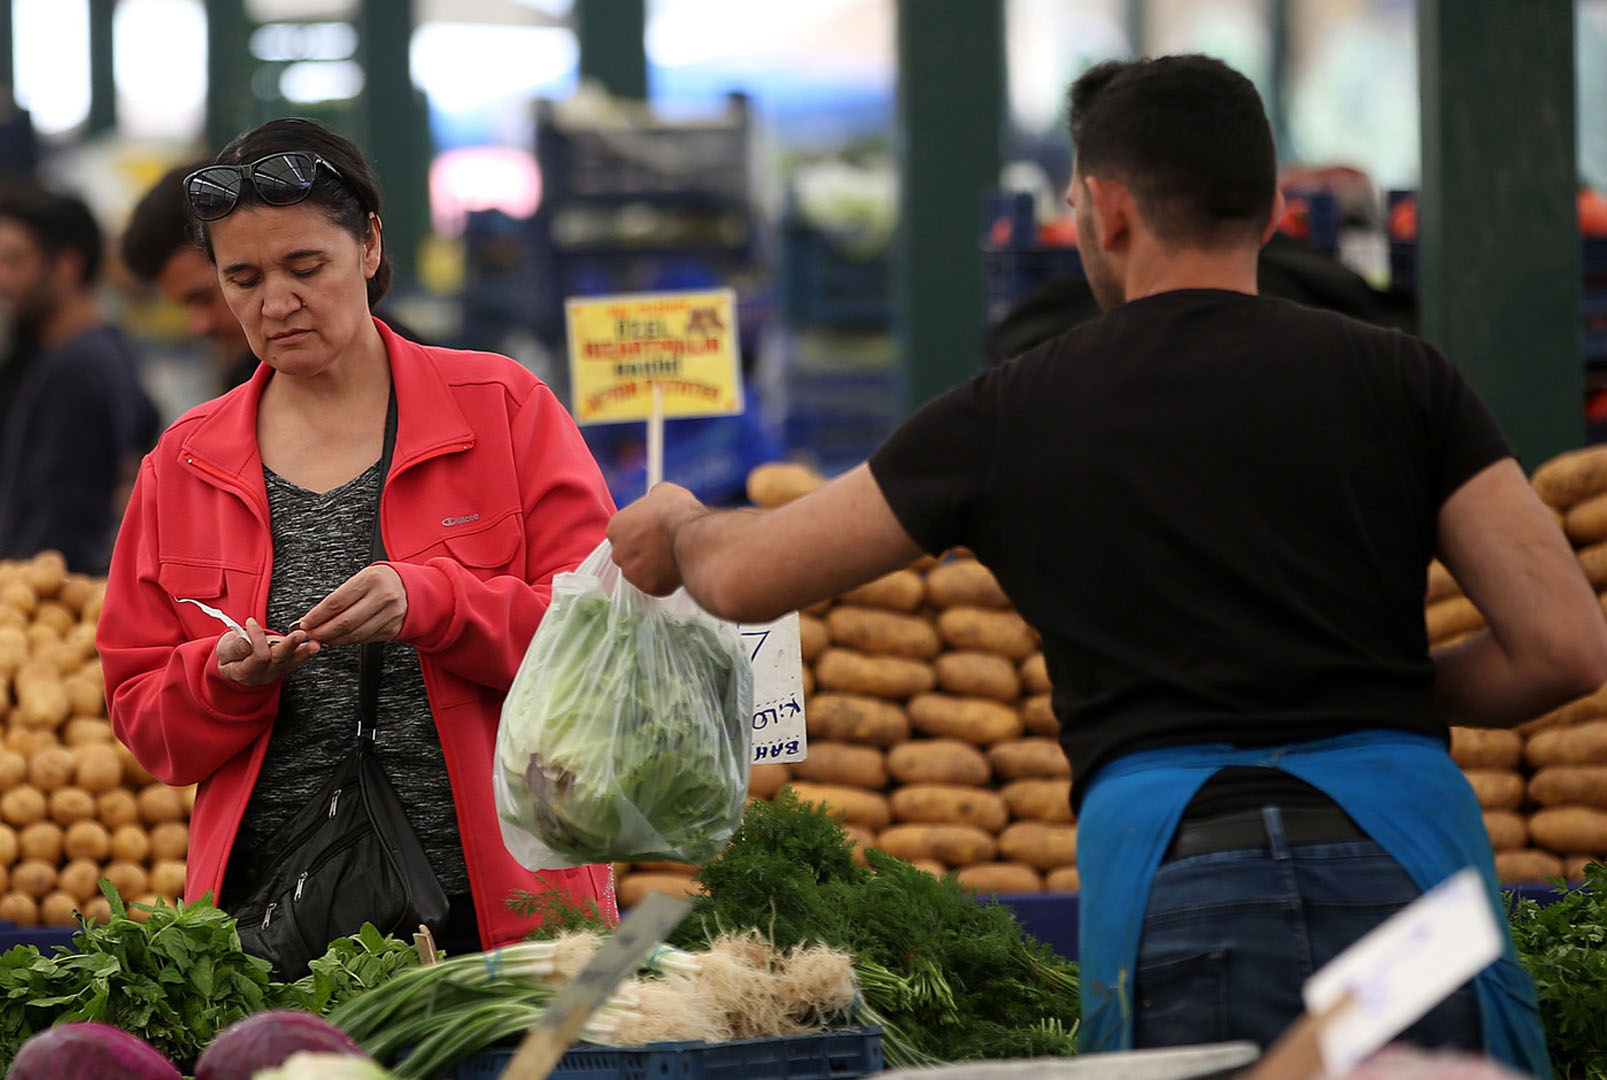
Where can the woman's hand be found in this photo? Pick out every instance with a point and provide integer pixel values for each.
(369, 606)
(259, 659)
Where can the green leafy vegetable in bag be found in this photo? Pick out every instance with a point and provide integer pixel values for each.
(625, 735)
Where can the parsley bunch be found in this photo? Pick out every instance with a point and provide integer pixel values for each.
(174, 980)
(950, 977)
(1564, 947)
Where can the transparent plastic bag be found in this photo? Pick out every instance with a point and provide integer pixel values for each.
(627, 731)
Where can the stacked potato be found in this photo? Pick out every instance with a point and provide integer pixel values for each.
(74, 804)
(930, 731)
(1544, 785)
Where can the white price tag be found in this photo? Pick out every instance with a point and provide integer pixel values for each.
(778, 694)
(1404, 967)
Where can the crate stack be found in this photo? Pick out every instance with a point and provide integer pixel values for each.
(74, 804)
(1543, 785)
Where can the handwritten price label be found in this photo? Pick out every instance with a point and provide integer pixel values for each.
(1404, 967)
(778, 698)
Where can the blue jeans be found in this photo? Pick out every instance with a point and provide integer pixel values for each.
(1230, 937)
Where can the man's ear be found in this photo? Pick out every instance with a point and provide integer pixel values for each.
(1113, 211)
(1271, 226)
(67, 271)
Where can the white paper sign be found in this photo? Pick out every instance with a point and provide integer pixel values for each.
(1404, 967)
(778, 694)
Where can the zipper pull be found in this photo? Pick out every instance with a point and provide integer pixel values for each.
(267, 916)
(334, 801)
(300, 883)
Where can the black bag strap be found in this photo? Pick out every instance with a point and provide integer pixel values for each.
(372, 658)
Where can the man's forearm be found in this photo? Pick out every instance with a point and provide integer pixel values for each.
(1477, 683)
(706, 546)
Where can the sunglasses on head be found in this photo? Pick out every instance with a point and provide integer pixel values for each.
(283, 179)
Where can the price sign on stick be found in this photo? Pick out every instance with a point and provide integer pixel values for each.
(778, 696)
(647, 356)
(621, 956)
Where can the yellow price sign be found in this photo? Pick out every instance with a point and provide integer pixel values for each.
(683, 344)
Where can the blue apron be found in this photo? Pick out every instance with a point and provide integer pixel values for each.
(1402, 789)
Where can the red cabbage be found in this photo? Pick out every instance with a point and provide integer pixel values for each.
(266, 1040)
(89, 1051)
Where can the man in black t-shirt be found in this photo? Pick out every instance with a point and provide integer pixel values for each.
(1218, 509)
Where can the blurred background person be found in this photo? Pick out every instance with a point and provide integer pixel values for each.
(76, 419)
(158, 248)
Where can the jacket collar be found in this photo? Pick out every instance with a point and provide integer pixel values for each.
(429, 420)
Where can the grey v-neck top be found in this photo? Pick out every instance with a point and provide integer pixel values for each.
(320, 540)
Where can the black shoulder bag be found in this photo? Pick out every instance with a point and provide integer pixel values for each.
(350, 855)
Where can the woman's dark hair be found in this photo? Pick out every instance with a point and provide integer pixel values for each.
(1188, 135)
(346, 200)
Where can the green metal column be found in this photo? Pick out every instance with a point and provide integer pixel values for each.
(1136, 19)
(1277, 95)
(8, 70)
(1498, 234)
(228, 72)
(102, 81)
(612, 39)
(951, 107)
(396, 126)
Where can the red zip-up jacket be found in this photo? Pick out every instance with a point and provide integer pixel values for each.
(490, 493)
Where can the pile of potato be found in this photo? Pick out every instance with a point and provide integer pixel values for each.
(930, 730)
(74, 804)
(1544, 785)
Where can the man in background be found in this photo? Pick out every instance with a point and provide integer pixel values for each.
(158, 249)
(76, 419)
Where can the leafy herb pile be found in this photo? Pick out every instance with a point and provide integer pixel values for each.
(174, 981)
(177, 978)
(624, 734)
(353, 965)
(1564, 946)
(560, 914)
(949, 978)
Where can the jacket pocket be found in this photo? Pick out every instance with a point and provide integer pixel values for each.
(491, 549)
(190, 580)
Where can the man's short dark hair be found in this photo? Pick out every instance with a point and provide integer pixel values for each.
(1188, 135)
(58, 224)
(160, 224)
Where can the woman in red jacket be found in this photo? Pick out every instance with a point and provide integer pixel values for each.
(261, 504)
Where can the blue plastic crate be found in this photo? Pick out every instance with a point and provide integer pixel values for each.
(1013, 272)
(872, 392)
(1595, 255)
(827, 1055)
(690, 161)
(822, 287)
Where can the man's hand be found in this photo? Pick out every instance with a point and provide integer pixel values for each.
(643, 537)
(369, 606)
(260, 659)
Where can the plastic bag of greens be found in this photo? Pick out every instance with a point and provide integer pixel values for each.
(627, 732)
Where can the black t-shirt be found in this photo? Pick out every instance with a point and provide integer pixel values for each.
(1218, 509)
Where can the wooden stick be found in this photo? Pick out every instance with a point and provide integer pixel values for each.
(424, 942)
(655, 438)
